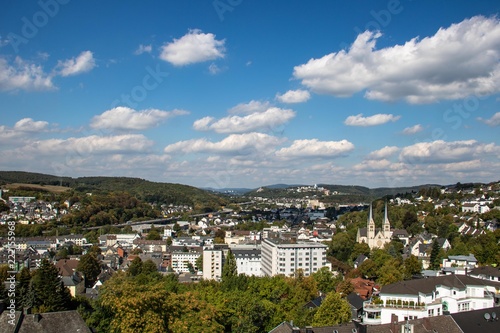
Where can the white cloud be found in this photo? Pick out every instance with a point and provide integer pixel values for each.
(238, 144)
(84, 62)
(413, 129)
(315, 148)
(193, 47)
(29, 125)
(493, 121)
(444, 152)
(22, 131)
(250, 107)
(294, 96)
(214, 69)
(269, 119)
(23, 76)
(143, 49)
(379, 164)
(124, 118)
(383, 153)
(89, 145)
(455, 62)
(377, 119)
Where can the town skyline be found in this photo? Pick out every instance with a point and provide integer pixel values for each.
(248, 94)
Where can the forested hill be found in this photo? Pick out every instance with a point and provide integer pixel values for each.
(338, 193)
(148, 191)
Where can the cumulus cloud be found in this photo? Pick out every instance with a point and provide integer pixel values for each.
(193, 47)
(383, 153)
(413, 129)
(271, 118)
(493, 121)
(316, 148)
(250, 107)
(30, 125)
(440, 151)
(239, 144)
(143, 49)
(84, 62)
(377, 119)
(457, 61)
(22, 131)
(22, 75)
(89, 145)
(294, 96)
(378, 164)
(124, 118)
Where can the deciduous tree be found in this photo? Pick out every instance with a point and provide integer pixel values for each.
(333, 310)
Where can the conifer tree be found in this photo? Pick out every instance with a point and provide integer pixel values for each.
(229, 269)
(23, 289)
(50, 293)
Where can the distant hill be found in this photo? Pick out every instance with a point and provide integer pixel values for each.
(142, 189)
(344, 193)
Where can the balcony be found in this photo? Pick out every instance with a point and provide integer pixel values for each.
(391, 304)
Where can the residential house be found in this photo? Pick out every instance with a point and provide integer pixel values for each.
(430, 297)
(248, 260)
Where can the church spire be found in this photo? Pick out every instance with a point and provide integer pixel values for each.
(370, 224)
(386, 226)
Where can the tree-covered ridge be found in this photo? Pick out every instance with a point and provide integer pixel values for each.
(337, 193)
(151, 192)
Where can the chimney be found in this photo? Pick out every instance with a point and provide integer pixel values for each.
(37, 317)
(394, 323)
(309, 329)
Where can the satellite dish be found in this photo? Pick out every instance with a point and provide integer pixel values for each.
(494, 315)
(487, 316)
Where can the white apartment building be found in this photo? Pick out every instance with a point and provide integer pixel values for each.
(122, 239)
(213, 260)
(248, 260)
(280, 257)
(181, 260)
(430, 297)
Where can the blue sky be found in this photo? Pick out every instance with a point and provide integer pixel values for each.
(238, 93)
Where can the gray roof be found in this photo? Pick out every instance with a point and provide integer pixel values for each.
(244, 253)
(428, 285)
(60, 322)
(474, 321)
(470, 257)
(439, 324)
(486, 271)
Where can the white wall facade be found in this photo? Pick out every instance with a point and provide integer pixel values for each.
(286, 258)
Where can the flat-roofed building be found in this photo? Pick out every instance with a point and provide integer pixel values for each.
(284, 257)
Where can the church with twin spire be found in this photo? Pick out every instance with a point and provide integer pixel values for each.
(375, 237)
